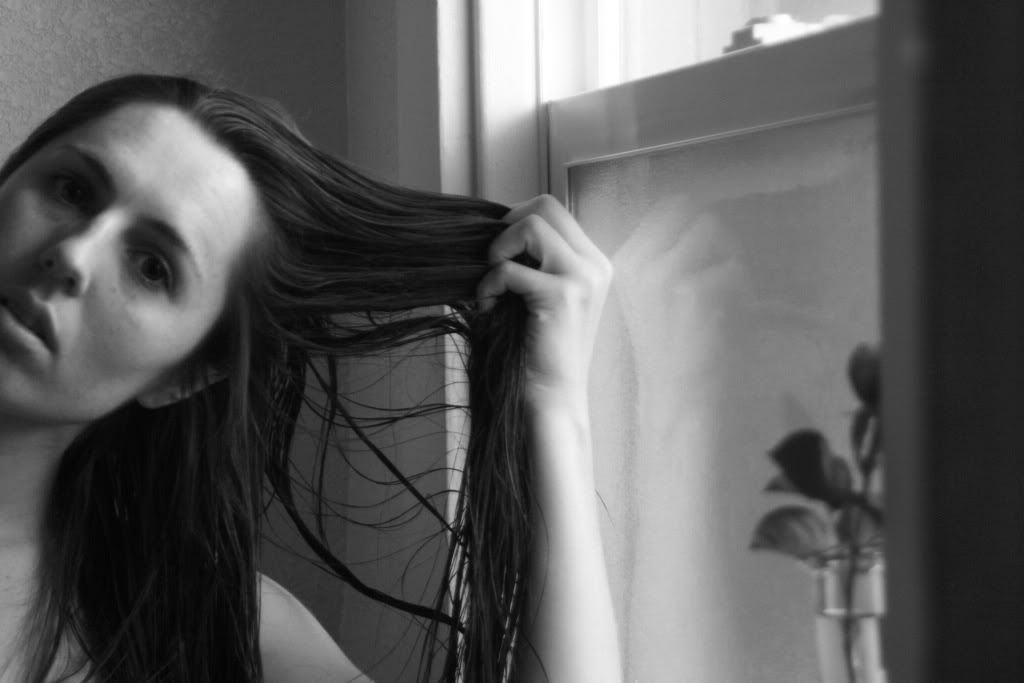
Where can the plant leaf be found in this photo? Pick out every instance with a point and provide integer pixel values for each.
(809, 464)
(795, 531)
(863, 372)
(855, 519)
(780, 483)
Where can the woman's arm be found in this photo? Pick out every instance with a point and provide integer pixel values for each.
(570, 622)
(574, 629)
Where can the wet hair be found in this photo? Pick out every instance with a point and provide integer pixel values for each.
(153, 524)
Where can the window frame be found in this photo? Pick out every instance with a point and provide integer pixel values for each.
(823, 75)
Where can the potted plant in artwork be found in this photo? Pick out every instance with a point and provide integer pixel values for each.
(837, 531)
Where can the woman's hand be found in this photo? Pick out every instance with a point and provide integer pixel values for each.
(564, 294)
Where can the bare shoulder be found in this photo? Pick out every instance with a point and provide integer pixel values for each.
(295, 647)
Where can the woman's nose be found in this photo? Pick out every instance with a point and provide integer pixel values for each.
(63, 274)
(69, 264)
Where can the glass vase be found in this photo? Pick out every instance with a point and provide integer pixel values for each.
(850, 612)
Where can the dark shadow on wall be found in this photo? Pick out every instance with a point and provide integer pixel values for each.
(296, 57)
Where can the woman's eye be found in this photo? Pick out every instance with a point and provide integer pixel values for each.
(72, 191)
(151, 270)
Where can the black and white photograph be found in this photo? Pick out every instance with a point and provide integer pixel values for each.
(511, 341)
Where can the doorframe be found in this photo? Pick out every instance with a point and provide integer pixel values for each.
(951, 167)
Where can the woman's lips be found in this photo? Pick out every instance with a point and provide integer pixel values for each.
(34, 316)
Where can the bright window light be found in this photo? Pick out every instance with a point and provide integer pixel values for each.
(590, 44)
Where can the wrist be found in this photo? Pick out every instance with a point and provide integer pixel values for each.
(562, 401)
(560, 441)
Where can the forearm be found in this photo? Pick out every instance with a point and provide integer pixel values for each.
(570, 620)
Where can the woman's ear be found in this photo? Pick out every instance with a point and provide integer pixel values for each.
(172, 392)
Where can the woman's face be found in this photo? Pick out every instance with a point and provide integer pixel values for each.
(124, 233)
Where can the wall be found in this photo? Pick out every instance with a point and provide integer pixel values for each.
(393, 134)
(392, 63)
(50, 50)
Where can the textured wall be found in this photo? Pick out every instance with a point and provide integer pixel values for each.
(49, 50)
(52, 49)
(372, 55)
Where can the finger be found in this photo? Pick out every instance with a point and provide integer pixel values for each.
(539, 239)
(509, 276)
(552, 211)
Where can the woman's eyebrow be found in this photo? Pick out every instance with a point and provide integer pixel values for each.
(169, 234)
(98, 169)
(174, 239)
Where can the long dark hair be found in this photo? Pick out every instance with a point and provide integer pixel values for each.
(153, 524)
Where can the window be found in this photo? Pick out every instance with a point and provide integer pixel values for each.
(736, 195)
(737, 199)
(589, 44)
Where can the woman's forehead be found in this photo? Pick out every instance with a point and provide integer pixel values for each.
(164, 166)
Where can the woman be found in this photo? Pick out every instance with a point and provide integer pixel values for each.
(173, 262)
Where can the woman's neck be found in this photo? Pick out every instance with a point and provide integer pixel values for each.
(29, 457)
